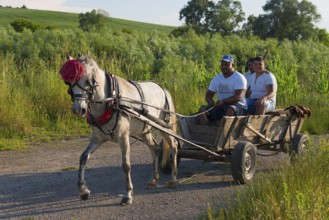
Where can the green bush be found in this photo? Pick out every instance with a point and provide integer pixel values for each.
(20, 24)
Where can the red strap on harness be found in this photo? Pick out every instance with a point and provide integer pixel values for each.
(102, 119)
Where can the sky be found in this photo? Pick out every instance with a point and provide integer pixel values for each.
(165, 12)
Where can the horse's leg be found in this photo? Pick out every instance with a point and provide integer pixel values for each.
(174, 152)
(125, 149)
(94, 143)
(149, 141)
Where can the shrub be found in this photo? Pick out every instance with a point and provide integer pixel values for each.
(20, 24)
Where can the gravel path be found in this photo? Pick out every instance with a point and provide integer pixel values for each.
(40, 183)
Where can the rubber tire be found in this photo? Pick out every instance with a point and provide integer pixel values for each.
(167, 168)
(243, 162)
(298, 146)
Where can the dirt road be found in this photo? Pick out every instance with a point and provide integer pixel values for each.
(41, 183)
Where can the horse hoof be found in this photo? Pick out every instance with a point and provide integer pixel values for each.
(151, 186)
(126, 201)
(85, 195)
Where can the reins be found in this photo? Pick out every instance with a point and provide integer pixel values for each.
(144, 103)
(78, 69)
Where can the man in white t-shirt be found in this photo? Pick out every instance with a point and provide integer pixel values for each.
(263, 89)
(230, 87)
(250, 71)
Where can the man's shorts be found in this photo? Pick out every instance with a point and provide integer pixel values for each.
(217, 113)
(269, 105)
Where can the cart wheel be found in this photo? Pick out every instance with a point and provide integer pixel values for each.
(243, 162)
(299, 145)
(167, 168)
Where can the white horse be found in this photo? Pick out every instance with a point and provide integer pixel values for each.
(107, 102)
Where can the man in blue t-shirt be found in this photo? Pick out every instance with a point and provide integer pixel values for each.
(230, 87)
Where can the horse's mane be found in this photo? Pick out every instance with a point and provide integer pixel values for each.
(95, 65)
(72, 71)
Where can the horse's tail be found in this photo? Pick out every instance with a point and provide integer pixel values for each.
(173, 122)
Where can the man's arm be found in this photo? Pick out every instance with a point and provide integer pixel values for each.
(269, 94)
(238, 95)
(248, 92)
(209, 97)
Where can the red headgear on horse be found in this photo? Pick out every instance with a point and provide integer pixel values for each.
(72, 71)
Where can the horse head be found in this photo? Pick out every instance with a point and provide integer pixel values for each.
(79, 75)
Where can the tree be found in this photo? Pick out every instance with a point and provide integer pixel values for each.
(322, 36)
(225, 17)
(206, 16)
(91, 21)
(195, 14)
(286, 19)
(247, 28)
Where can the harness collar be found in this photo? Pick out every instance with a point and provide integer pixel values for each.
(111, 109)
(102, 119)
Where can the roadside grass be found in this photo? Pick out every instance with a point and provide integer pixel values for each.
(29, 218)
(299, 191)
(34, 107)
(12, 144)
(318, 122)
(66, 169)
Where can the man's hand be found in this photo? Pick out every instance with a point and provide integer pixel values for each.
(219, 103)
(260, 101)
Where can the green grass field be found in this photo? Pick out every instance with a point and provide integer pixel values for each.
(71, 20)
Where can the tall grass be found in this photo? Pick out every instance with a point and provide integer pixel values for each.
(299, 191)
(35, 104)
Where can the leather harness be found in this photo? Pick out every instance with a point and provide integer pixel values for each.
(114, 108)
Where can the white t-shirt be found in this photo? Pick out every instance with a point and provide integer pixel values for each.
(225, 87)
(258, 87)
(248, 78)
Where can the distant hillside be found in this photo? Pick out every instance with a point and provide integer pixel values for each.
(71, 20)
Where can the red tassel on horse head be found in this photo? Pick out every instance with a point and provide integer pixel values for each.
(72, 71)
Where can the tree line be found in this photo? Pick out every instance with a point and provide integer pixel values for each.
(282, 19)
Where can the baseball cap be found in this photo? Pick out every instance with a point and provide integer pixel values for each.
(227, 58)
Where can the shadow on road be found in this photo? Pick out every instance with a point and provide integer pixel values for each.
(31, 194)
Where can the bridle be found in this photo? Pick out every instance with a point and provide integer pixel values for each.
(88, 96)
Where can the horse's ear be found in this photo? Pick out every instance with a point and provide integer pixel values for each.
(79, 55)
(68, 57)
(88, 57)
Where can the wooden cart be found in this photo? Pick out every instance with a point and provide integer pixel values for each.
(237, 139)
